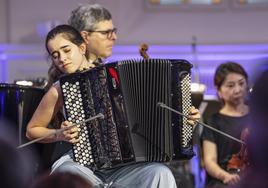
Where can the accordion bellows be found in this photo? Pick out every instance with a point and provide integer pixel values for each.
(133, 128)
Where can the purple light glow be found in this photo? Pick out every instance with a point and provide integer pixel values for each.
(3, 72)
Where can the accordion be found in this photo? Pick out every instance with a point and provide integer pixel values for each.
(134, 128)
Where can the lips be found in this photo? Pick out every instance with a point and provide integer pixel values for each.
(66, 65)
(238, 97)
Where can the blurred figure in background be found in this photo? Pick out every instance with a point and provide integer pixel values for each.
(231, 82)
(257, 175)
(16, 169)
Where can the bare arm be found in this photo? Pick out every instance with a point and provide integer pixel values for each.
(48, 107)
(212, 167)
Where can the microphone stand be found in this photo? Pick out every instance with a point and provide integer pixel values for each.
(100, 115)
(162, 105)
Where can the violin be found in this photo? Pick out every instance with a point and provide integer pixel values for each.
(143, 51)
(239, 161)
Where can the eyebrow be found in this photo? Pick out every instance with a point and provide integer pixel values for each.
(106, 29)
(242, 79)
(56, 51)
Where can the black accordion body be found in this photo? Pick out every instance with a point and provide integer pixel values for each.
(133, 128)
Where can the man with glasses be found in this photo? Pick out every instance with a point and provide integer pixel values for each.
(95, 25)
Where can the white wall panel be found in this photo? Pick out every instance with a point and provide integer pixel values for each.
(137, 23)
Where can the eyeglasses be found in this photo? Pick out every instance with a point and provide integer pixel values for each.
(108, 33)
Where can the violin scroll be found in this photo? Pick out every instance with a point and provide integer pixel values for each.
(143, 51)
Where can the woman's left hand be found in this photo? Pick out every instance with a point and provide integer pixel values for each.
(194, 116)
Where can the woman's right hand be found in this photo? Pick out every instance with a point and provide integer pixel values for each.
(231, 179)
(69, 135)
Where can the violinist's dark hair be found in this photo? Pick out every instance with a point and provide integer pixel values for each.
(226, 68)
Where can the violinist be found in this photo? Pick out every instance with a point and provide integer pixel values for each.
(221, 154)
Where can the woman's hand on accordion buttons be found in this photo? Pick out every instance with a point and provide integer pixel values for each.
(69, 135)
(194, 115)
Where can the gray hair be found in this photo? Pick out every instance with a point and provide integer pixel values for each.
(85, 17)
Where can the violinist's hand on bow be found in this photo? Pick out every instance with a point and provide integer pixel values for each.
(231, 179)
(194, 116)
(69, 135)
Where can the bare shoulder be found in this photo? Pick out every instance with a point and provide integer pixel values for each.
(48, 107)
(53, 95)
(54, 91)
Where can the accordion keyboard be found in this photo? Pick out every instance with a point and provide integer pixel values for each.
(85, 95)
(74, 105)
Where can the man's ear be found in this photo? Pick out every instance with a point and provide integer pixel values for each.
(83, 48)
(85, 36)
